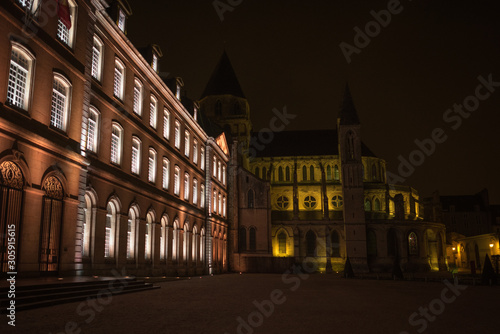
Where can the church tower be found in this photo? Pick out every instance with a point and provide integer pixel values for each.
(349, 139)
(223, 102)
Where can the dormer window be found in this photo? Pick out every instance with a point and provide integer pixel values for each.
(121, 20)
(154, 64)
(178, 92)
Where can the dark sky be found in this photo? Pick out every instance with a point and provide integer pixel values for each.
(286, 53)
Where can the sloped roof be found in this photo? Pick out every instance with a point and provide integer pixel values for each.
(303, 143)
(223, 80)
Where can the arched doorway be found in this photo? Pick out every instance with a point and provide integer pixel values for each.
(11, 203)
(50, 229)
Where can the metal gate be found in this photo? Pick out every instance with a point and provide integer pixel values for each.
(51, 226)
(11, 208)
(11, 201)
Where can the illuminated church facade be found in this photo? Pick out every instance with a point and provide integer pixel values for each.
(319, 194)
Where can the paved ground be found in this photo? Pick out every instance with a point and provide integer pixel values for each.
(315, 304)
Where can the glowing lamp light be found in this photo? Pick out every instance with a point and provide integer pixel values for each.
(454, 249)
(60, 278)
(491, 245)
(95, 276)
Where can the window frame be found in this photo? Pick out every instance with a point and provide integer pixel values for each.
(152, 155)
(153, 111)
(135, 166)
(119, 92)
(95, 141)
(73, 11)
(98, 75)
(166, 173)
(137, 104)
(119, 128)
(28, 87)
(61, 79)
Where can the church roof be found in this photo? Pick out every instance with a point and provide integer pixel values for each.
(303, 143)
(348, 114)
(223, 80)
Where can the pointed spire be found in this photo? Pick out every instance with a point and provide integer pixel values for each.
(223, 80)
(348, 114)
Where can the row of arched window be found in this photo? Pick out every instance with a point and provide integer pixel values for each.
(372, 204)
(185, 244)
(308, 173)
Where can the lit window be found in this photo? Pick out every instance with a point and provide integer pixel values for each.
(137, 97)
(215, 201)
(166, 124)
(131, 233)
(109, 236)
(337, 202)
(178, 92)
(218, 171)
(310, 202)
(202, 158)
(153, 106)
(20, 77)
(148, 240)
(97, 54)
(93, 130)
(202, 196)
(152, 166)
(186, 187)
(186, 143)
(214, 167)
(224, 175)
(176, 180)
(121, 20)
(220, 204)
(61, 96)
(195, 151)
(119, 79)
(283, 202)
(154, 63)
(336, 173)
(136, 155)
(224, 206)
(166, 173)
(164, 238)
(195, 191)
(282, 243)
(177, 134)
(66, 24)
(116, 143)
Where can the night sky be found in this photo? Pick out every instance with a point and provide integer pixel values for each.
(286, 53)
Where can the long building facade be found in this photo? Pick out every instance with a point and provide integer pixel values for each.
(104, 163)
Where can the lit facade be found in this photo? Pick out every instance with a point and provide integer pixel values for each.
(104, 165)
